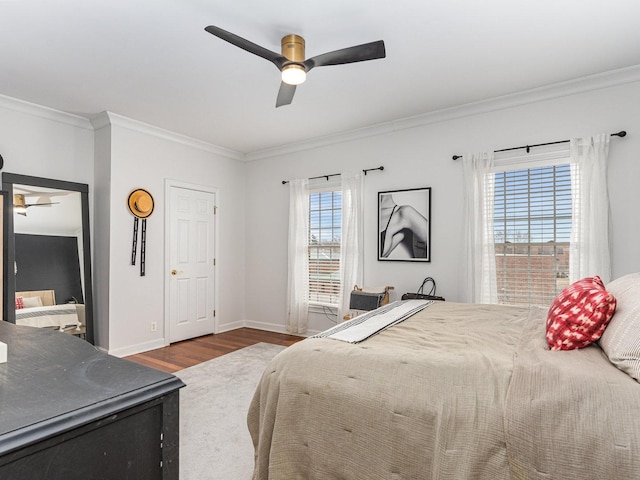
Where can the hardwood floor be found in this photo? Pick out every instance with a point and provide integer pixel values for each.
(197, 350)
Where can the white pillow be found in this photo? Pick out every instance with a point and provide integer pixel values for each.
(30, 302)
(621, 339)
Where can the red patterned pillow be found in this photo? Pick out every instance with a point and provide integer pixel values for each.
(19, 303)
(579, 314)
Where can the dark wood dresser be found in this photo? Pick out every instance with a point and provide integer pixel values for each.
(69, 411)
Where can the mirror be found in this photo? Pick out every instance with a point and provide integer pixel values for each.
(48, 254)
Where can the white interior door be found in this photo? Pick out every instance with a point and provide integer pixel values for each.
(191, 263)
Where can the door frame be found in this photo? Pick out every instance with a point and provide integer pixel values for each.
(168, 185)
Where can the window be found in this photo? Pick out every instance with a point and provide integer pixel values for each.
(532, 228)
(325, 221)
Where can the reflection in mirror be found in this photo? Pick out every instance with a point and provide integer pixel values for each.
(48, 255)
(3, 199)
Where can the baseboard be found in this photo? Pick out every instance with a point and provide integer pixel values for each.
(273, 327)
(269, 327)
(139, 348)
(159, 343)
(230, 326)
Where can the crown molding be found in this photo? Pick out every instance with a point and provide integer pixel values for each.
(104, 119)
(317, 142)
(100, 121)
(562, 89)
(109, 118)
(47, 113)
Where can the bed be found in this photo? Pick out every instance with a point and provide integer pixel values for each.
(38, 308)
(456, 391)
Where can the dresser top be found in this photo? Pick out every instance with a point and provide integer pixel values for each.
(53, 382)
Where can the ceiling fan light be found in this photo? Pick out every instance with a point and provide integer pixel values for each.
(20, 204)
(294, 74)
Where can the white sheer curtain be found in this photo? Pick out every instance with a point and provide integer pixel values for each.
(479, 269)
(298, 264)
(351, 269)
(589, 249)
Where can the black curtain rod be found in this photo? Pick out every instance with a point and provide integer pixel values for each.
(529, 147)
(284, 182)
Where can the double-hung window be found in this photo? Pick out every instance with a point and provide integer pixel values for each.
(532, 221)
(325, 222)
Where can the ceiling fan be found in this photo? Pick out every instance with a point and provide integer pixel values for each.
(20, 204)
(291, 61)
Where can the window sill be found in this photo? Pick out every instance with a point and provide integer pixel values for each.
(318, 307)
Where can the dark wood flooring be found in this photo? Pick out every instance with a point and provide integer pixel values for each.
(197, 350)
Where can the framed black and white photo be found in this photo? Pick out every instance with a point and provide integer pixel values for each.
(404, 225)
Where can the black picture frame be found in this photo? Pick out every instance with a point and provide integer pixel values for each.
(406, 215)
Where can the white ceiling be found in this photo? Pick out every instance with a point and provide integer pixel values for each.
(152, 61)
(64, 217)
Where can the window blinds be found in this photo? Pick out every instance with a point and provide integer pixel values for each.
(532, 228)
(325, 220)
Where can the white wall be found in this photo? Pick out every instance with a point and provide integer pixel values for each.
(421, 157)
(45, 143)
(253, 213)
(142, 156)
(101, 234)
(38, 141)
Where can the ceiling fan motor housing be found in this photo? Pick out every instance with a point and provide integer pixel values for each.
(293, 48)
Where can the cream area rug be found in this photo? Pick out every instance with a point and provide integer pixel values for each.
(214, 440)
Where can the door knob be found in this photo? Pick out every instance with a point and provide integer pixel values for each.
(175, 272)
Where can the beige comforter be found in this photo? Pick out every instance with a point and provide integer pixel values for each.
(570, 414)
(426, 399)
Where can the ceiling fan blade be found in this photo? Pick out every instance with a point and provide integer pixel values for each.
(276, 58)
(285, 94)
(359, 53)
(41, 204)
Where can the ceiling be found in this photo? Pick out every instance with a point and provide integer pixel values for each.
(63, 217)
(152, 61)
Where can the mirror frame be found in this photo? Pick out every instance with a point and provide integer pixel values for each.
(9, 284)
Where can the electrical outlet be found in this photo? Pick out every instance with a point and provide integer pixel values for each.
(154, 326)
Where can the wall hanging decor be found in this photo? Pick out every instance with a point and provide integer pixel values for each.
(404, 225)
(140, 204)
